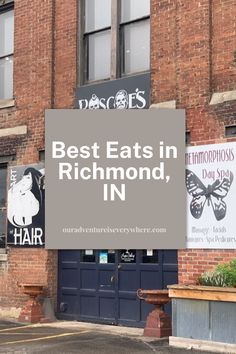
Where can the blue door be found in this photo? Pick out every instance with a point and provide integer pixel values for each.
(101, 285)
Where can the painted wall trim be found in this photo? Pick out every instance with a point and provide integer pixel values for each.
(3, 257)
(221, 97)
(20, 130)
(166, 104)
(7, 103)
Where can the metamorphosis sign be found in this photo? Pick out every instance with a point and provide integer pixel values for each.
(211, 190)
(25, 210)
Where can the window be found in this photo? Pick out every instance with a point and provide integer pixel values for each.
(6, 51)
(149, 256)
(3, 193)
(135, 34)
(127, 256)
(107, 256)
(188, 137)
(42, 155)
(98, 38)
(230, 130)
(116, 39)
(88, 256)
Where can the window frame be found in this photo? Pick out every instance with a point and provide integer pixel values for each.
(122, 43)
(84, 44)
(117, 44)
(86, 51)
(6, 7)
(5, 161)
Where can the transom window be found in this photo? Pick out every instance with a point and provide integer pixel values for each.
(115, 39)
(6, 50)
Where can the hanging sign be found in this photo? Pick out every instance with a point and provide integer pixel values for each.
(25, 207)
(127, 257)
(150, 253)
(103, 257)
(126, 93)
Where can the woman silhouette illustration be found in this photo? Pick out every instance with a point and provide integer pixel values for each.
(25, 198)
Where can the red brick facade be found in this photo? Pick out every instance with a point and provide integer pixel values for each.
(33, 85)
(193, 55)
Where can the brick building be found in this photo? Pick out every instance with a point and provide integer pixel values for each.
(49, 55)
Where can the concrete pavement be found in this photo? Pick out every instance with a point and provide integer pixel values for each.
(77, 337)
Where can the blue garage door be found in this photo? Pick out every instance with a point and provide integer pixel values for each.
(100, 286)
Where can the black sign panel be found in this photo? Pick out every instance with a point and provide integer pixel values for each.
(25, 207)
(127, 93)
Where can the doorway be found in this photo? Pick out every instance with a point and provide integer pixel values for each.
(101, 285)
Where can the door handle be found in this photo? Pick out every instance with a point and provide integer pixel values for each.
(112, 278)
(119, 266)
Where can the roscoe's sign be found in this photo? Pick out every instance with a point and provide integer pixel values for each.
(127, 93)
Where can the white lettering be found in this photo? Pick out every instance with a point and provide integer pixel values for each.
(58, 149)
(31, 237)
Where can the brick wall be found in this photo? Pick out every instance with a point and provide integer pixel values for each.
(194, 44)
(65, 53)
(26, 266)
(36, 88)
(194, 262)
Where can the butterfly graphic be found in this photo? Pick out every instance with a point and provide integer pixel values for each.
(213, 194)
